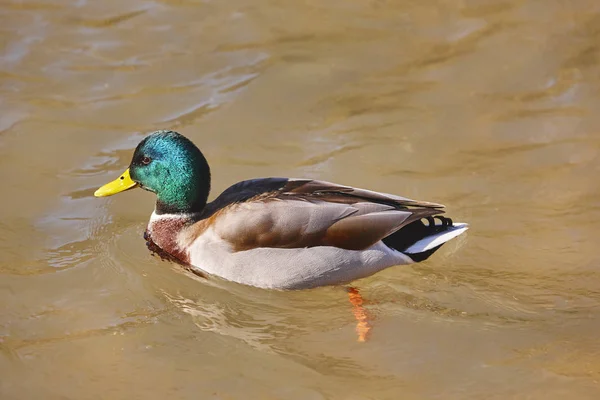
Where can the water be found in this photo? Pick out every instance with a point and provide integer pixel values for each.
(489, 107)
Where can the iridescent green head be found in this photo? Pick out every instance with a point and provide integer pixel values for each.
(171, 166)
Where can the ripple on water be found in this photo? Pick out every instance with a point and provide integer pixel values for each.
(486, 107)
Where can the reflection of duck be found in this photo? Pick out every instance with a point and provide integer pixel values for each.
(276, 232)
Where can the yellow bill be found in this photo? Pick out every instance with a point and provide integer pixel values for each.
(121, 184)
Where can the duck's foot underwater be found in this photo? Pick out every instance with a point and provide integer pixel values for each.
(363, 327)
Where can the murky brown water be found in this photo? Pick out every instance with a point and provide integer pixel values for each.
(490, 107)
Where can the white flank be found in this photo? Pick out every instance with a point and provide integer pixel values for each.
(280, 268)
(432, 241)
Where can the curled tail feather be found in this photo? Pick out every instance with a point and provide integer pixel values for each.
(419, 240)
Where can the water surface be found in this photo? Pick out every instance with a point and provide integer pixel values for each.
(489, 107)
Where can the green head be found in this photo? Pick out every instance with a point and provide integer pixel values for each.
(171, 166)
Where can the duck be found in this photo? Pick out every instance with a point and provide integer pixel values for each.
(276, 233)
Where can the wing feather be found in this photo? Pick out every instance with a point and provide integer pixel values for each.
(334, 192)
(302, 213)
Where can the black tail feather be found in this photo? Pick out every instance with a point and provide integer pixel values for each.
(415, 231)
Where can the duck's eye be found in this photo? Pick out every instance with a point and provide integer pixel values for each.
(146, 160)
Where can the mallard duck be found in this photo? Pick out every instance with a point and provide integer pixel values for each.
(277, 233)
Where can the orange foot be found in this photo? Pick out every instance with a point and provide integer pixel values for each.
(362, 325)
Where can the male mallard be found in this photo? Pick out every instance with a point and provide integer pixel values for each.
(276, 233)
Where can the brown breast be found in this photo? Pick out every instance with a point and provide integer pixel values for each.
(163, 232)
